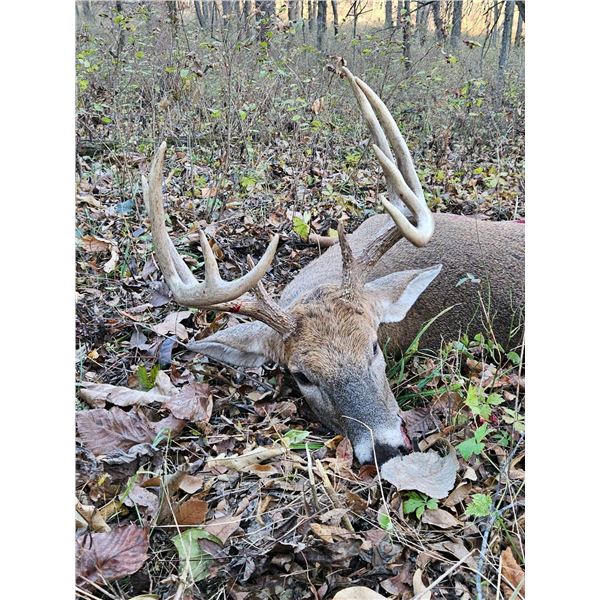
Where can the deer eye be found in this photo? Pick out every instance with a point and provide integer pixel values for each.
(301, 378)
(375, 348)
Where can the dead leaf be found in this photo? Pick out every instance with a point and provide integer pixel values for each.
(140, 496)
(419, 587)
(460, 492)
(111, 555)
(344, 455)
(192, 403)
(513, 573)
(239, 463)
(190, 484)
(172, 325)
(326, 532)
(91, 243)
(223, 527)
(419, 421)
(192, 511)
(440, 518)
(98, 394)
(358, 593)
(395, 585)
(262, 470)
(92, 517)
(103, 430)
(427, 472)
(457, 549)
(318, 105)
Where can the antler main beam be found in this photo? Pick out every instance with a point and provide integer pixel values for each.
(212, 293)
(401, 179)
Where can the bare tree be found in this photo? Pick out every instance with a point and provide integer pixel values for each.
(440, 30)
(423, 10)
(456, 23)
(199, 12)
(494, 29)
(293, 10)
(312, 12)
(404, 19)
(519, 34)
(321, 22)
(336, 22)
(509, 9)
(388, 14)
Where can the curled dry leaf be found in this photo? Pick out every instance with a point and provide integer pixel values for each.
(440, 518)
(419, 421)
(326, 532)
(98, 394)
(419, 587)
(239, 463)
(457, 549)
(223, 527)
(112, 555)
(92, 517)
(426, 472)
(91, 243)
(172, 325)
(513, 574)
(358, 593)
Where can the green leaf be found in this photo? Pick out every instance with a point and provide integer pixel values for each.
(192, 559)
(139, 54)
(183, 73)
(295, 436)
(470, 447)
(300, 227)
(514, 358)
(480, 506)
(385, 521)
(432, 503)
(481, 432)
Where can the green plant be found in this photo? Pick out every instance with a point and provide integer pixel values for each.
(480, 403)
(417, 503)
(480, 506)
(474, 445)
(147, 379)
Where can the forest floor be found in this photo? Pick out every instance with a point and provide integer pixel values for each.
(198, 480)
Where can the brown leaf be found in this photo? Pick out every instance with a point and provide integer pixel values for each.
(92, 517)
(91, 243)
(513, 573)
(223, 527)
(192, 511)
(103, 430)
(239, 463)
(192, 403)
(426, 472)
(190, 484)
(419, 421)
(358, 593)
(344, 454)
(460, 492)
(261, 470)
(318, 105)
(440, 518)
(98, 394)
(457, 549)
(395, 585)
(326, 532)
(172, 325)
(419, 587)
(112, 555)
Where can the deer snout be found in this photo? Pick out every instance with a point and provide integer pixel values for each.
(387, 443)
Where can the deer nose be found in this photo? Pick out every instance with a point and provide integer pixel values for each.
(385, 452)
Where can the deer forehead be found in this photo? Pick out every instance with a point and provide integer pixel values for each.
(332, 330)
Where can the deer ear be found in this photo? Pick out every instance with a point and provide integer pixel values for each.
(245, 345)
(394, 294)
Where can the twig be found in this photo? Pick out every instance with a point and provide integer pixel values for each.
(492, 519)
(443, 576)
(333, 496)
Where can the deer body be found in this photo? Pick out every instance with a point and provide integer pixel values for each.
(328, 323)
(492, 300)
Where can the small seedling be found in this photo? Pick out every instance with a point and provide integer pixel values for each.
(480, 506)
(417, 503)
(474, 445)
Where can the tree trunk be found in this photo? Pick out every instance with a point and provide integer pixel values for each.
(521, 7)
(321, 22)
(312, 11)
(509, 9)
(440, 31)
(519, 34)
(199, 15)
(293, 10)
(388, 14)
(422, 21)
(336, 23)
(494, 32)
(172, 13)
(456, 23)
(405, 32)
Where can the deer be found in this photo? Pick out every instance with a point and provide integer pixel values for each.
(331, 320)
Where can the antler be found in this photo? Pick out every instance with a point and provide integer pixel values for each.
(213, 293)
(403, 186)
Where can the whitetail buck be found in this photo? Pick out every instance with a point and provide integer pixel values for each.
(326, 327)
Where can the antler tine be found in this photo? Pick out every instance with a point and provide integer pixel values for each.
(382, 125)
(184, 286)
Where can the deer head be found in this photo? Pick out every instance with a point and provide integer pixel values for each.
(327, 339)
